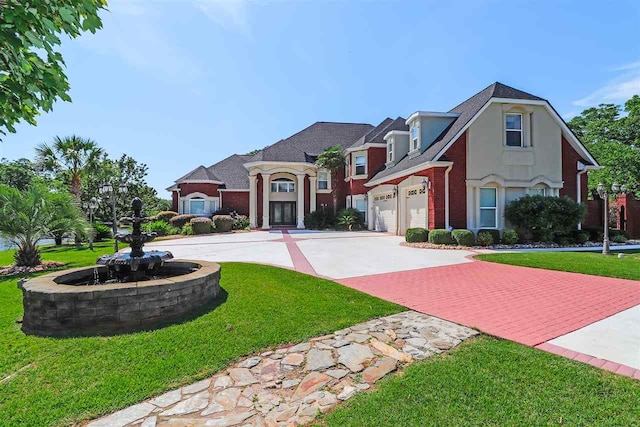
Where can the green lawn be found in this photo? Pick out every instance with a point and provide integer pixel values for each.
(64, 381)
(577, 262)
(491, 382)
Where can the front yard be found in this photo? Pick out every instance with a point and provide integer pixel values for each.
(64, 381)
(485, 381)
(576, 262)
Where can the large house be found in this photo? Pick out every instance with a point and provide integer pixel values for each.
(433, 169)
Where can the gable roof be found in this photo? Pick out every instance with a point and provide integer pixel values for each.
(232, 173)
(377, 134)
(466, 110)
(199, 174)
(312, 141)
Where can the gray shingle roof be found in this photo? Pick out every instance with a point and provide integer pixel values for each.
(199, 174)
(467, 110)
(376, 135)
(313, 140)
(232, 172)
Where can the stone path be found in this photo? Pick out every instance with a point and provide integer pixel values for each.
(291, 385)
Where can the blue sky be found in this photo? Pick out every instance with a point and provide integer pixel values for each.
(180, 83)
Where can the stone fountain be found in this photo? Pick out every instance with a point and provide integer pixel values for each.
(124, 292)
(136, 265)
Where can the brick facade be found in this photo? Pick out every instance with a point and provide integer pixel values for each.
(457, 154)
(570, 158)
(236, 201)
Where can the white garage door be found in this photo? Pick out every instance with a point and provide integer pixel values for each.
(416, 207)
(384, 209)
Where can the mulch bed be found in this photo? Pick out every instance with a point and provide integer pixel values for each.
(13, 270)
(535, 245)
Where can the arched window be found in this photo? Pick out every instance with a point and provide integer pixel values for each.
(283, 185)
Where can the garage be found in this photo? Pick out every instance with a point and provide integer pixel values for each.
(415, 207)
(384, 210)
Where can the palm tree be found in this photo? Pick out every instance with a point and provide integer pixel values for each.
(70, 157)
(332, 159)
(36, 213)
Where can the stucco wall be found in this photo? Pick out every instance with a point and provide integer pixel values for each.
(488, 154)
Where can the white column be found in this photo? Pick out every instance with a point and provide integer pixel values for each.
(266, 192)
(300, 201)
(502, 192)
(370, 213)
(253, 201)
(313, 184)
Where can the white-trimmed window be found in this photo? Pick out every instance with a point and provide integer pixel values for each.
(488, 208)
(348, 203)
(361, 205)
(323, 180)
(283, 185)
(538, 191)
(361, 164)
(196, 206)
(513, 129)
(415, 138)
(390, 152)
(347, 167)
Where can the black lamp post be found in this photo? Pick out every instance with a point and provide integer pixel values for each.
(107, 190)
(90, 207)
(604, 194)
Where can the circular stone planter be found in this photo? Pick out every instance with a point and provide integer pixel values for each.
(54, 306)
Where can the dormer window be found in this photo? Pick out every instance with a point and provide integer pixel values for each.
(361, 164)
(513, 129)
(415, 132)
(390, 152)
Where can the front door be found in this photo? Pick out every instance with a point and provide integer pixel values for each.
(282, 213)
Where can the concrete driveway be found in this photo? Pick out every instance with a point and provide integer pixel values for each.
(337, 255)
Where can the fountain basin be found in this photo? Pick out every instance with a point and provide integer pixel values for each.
(61, 304)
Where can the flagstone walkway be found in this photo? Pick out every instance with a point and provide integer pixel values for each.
(292, 384)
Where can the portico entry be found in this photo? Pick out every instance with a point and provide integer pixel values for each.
(282, 213)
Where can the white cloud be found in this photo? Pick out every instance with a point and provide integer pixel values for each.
(616, 90)
(231, 15)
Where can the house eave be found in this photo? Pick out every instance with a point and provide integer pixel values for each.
(408, 171)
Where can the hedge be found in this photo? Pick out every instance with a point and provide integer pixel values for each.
(200, 225)
(415, 235)
(495, 234)
(485, 238)
(510, 237)
(165, 215)
(464, 237)
(224, 223)
(180, 220)
(440, 237)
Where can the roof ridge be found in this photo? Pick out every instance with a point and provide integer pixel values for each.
(492, 85)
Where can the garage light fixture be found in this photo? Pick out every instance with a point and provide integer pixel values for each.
(426, 185)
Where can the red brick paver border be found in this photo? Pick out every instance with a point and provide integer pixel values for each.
(614, 367)
(526, 305)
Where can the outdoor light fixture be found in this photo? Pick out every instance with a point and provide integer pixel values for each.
(108, 190)
(425, 184)
(90, 207)
(604, 195)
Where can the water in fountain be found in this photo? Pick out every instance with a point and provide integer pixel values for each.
(136, 265)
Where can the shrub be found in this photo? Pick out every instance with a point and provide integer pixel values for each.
(165, 215)
(510, 237)
(161, 228)
(187, 230)
(619, 238)
(200, 225)
(581, 236)
(102, 232)
(440, 237)
(544, 218)
(223, 223)
(179, 221)
(319, 220)
(564, 241)
(413, 235)
(484, 238)
(223, 212)
(495, 234)
(596, 234)
(356, 219)
(464, 237)
(241, 222)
